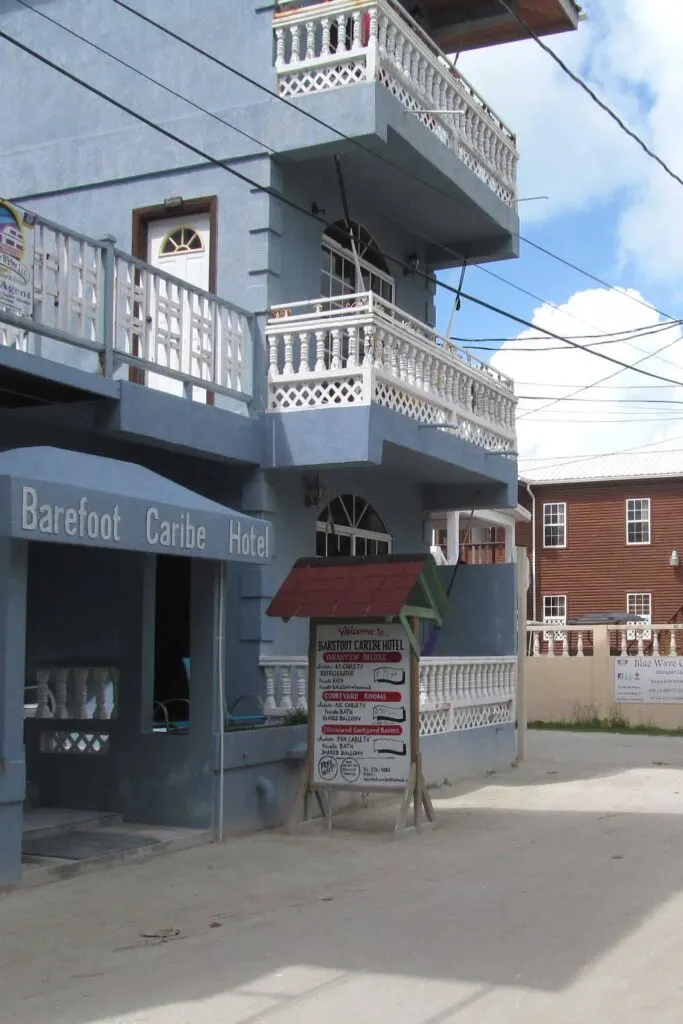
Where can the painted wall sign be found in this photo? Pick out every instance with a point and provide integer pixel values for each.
(62, 514)
(650, 680)
(16, 259)
(362, 706)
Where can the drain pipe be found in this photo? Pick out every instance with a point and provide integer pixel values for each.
(533, 549)
(220, 654)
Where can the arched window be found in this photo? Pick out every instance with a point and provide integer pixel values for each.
(184, 239)
(339, 272)
(350, 526)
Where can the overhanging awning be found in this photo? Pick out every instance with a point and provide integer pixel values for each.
(51, 494)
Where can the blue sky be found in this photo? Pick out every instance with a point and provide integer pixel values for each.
(610, 210)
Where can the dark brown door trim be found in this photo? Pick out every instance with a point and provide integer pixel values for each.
(145, 214)
(142, 217)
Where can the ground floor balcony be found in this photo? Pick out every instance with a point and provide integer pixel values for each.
(362, 350)
(343, 44)
(455, 693)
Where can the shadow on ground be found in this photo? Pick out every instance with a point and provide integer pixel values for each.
(495, 897)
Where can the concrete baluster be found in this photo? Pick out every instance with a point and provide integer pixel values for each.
(304, 350)
(286, 687)
(269, 704)
(302, 686)
(81, 692)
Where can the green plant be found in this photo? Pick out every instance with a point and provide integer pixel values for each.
(614, 724)
(296, 716)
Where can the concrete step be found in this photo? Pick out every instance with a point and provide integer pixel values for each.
(44, 870)
(48, 821)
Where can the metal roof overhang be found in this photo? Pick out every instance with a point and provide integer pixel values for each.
(67, 497)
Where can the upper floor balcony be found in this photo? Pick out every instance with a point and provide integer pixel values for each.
(99, 318)
(357, 350)
(320, 47)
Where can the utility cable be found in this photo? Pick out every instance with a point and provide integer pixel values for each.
(308, 213)
(306, 113)
(261, 144)
(593, 95)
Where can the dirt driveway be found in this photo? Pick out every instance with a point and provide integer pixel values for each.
(553, 893)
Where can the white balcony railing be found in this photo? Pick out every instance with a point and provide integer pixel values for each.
(634, 639)
(360, 350)
(101, 310)
(455, 693)
(323, 46)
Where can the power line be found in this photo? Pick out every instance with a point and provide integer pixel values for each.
(608, 401)
(308, 213)
(557, 348)
(632, 331)
(307, 113)
(559, 462)
(260, 143)
(593, 95)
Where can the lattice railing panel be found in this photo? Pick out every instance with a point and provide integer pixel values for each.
(77, 743)
(372, 40)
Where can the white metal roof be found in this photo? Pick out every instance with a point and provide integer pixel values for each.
(624, 466)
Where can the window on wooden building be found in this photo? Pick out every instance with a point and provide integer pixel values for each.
(555, 524)
(638, 521)
(554, 613)
(640, 607)
(555, 608)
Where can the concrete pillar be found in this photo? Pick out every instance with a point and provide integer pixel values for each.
(204, 627)
(13, 574)
(452, 537)
(137, 613)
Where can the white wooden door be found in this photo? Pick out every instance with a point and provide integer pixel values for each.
(179, 246)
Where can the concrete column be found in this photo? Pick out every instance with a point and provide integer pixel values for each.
(452, 536)
(520, 701)
(205, 719)
(13, 576)
(137, 611)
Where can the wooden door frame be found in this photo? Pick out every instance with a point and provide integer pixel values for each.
(143, 217)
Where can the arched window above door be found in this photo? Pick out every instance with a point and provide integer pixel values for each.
(339, 271)
(181, 239)
(349, 525)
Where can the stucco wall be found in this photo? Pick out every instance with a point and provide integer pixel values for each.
(573, 689)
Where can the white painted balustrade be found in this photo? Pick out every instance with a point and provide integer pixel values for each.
(455, 693)
(73, 695)
(329, 45)
(361, 349)
(102, 311)
(77, 693)
(640, 639)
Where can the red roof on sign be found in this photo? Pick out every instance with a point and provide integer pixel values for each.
(348, 588)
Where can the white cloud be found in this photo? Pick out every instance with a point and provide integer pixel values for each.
(630, 52)
(608, 418)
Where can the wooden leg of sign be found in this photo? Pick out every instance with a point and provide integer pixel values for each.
(300, 813)
(408, 794)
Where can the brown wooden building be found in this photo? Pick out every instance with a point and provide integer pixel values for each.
(606, 535)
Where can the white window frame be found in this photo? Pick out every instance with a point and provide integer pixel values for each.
(330, 249)
(632, 634)
(555, 505)
(356, 533)
(639, 543)
(552, 620)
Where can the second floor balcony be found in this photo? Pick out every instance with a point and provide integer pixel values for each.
(362, 350)
(337, 44)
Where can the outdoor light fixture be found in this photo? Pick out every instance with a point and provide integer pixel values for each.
(313, 491)
(674, 560)
(413, 261)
